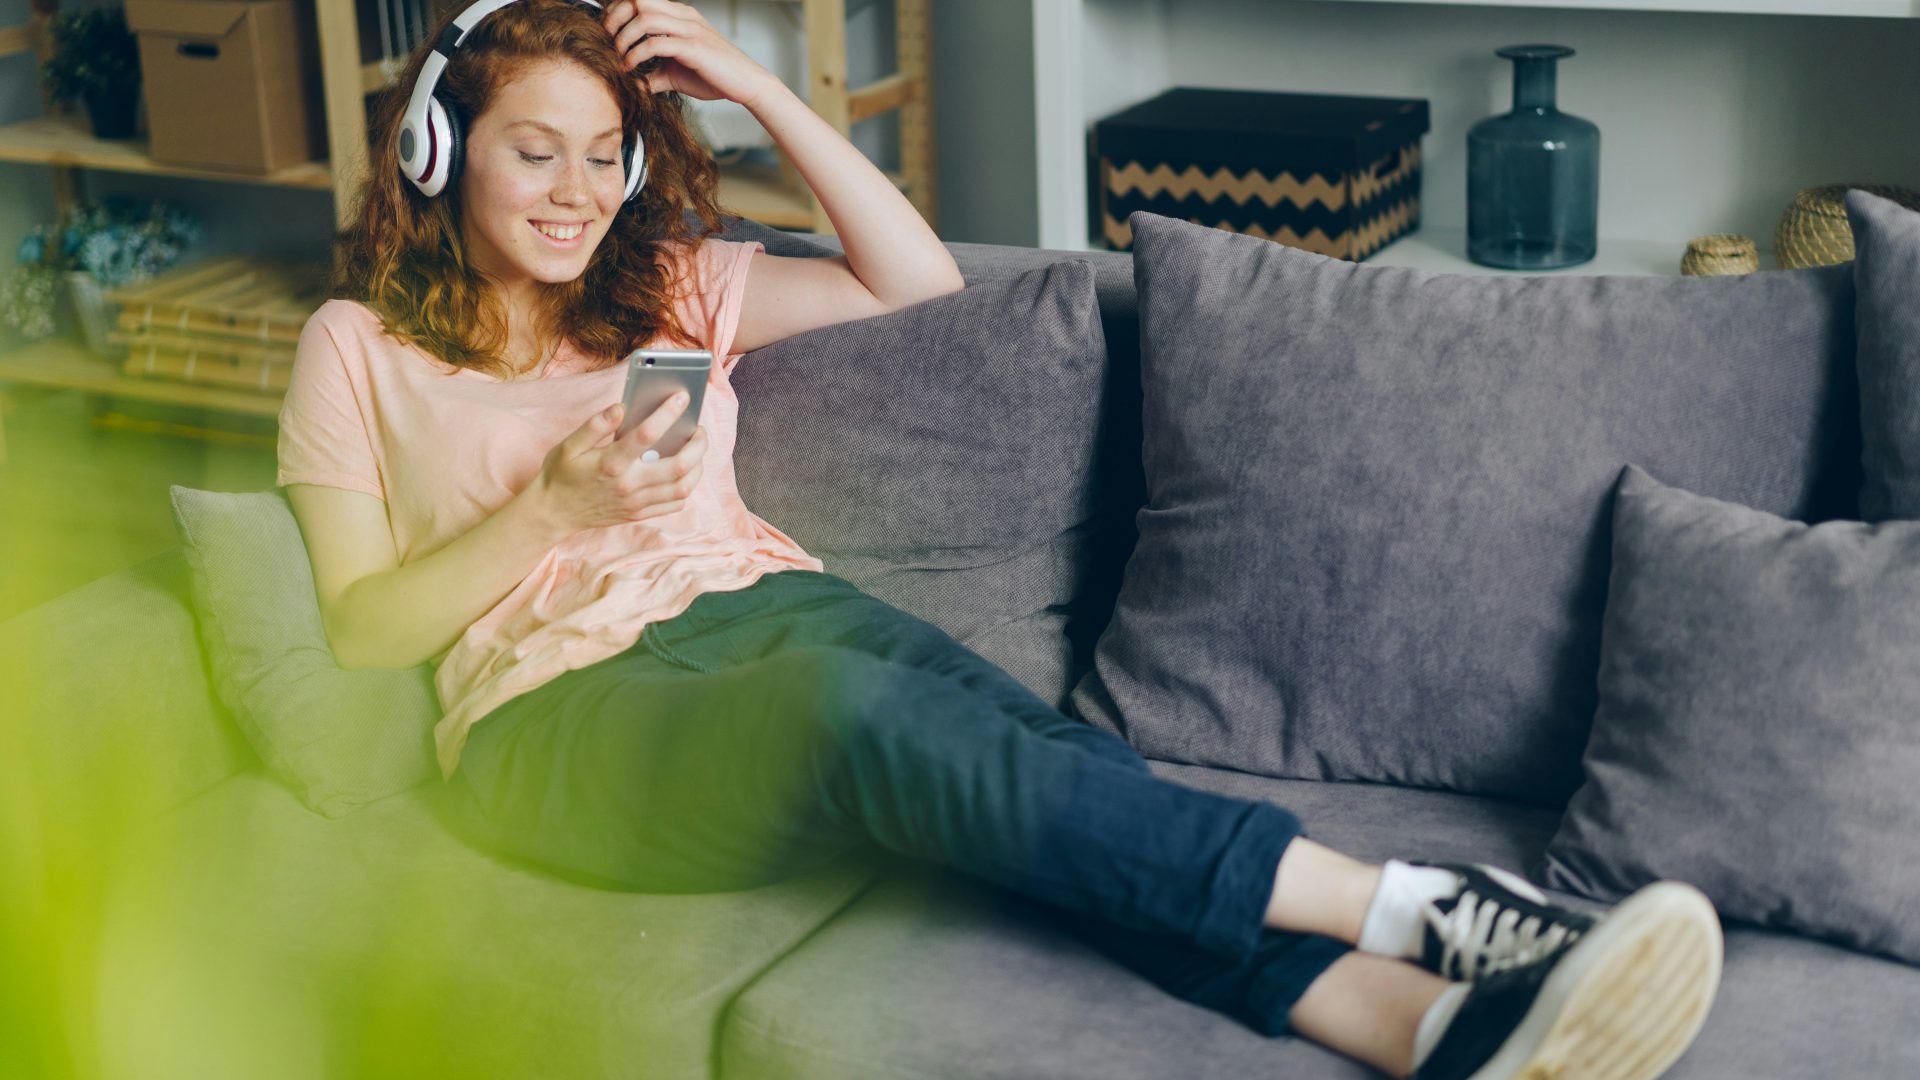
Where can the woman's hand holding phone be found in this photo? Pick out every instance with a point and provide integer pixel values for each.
(584, 485)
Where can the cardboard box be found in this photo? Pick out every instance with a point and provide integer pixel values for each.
(231, 84)
(1333, 174)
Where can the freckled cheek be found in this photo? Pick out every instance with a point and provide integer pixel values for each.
(510, 216)
(523, 200)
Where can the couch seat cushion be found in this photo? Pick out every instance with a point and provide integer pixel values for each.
(248, 936)
(931, 974)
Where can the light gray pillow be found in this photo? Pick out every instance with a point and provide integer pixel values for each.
(1886, 273)
(941, 457)
(1375, 543)
(1758, 733)
(340, 739)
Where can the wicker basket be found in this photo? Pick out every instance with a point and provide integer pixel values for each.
(1813, 230)
(1720, 253)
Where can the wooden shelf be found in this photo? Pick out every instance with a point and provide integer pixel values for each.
(70, 366)
(760, 192)
(65, 141)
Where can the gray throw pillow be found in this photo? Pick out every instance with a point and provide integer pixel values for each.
(340, 739)
(1758, 732)
(1886, 274)
(940, 457)
(1375, 539)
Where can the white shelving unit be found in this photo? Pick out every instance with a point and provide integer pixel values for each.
(1872, 9)
(1712, 112)
(1444, 250)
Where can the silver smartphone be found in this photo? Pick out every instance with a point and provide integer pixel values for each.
(652, 377)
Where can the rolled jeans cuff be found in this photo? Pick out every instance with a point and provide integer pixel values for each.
(1278, 987)
(1242, 884)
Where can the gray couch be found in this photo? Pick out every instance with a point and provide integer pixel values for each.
(241, 934)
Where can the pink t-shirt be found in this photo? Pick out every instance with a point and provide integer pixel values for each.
(367, 413)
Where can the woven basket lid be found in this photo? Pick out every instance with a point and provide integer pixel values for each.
(1719, 253)
(1721, 244)
(1814, 231)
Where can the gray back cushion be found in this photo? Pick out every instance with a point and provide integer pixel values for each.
(1118, 485)
(941, 458)
(1886, 272)
(1757, 732)
(1375, 539)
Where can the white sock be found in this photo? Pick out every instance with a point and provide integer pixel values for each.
(1393, 926)
(1434, 1023)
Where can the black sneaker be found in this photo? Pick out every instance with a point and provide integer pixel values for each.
(1623, 1002)
(1494, 921)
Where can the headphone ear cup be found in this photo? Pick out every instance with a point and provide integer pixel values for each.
(412, 150)
(439, 134)
(456, 143)
(636, 166)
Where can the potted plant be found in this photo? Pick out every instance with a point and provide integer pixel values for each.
(97, 60)
(94, 245)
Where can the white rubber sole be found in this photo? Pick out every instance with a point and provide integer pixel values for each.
(1627, 999)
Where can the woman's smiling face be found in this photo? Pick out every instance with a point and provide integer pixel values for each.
(542, 175)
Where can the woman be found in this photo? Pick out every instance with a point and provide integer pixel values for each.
(649, 688)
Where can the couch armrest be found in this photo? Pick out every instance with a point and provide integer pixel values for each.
(109, 714)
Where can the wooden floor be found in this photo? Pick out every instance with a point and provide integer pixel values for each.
(83, 491)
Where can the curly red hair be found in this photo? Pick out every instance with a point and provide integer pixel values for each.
(402, 254)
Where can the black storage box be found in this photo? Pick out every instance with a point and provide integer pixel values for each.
(1335, 175)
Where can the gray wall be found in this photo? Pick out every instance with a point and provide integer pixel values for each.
(983, 125)
(984, 120)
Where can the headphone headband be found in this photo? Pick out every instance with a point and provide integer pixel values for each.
(430, 135)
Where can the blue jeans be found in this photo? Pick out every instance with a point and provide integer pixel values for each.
(770, 730)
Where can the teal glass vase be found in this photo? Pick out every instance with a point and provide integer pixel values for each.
(1533, 174)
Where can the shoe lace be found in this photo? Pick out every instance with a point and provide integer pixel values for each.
(1481, 936)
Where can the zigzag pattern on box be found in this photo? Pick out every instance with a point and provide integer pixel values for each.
(1120, 235)
(1300, 219)
(1355, 244)
(1367, 187)
(1210, 186)
(1374, 235)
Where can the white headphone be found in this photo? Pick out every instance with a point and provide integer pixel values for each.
(431, 142)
